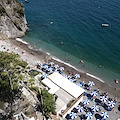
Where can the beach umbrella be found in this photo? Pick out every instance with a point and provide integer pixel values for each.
(91, 83)
(89, 115)
(73, 115)
(46, 66)
(94, 93)
(50, 69)
(56, 66)
(51, 63)
(104, 115)
(103, 98)
(75, 80)
(79, 84)
(77, 76)
(65, 76)
(95, 108)
(70, 80)
(111, 104)
(61, 68)
(86, 102)
(80, 108)
(40, 64)
(45, 75)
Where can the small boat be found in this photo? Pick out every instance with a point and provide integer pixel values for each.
(116, 81)
(26, 1)
(105, 25)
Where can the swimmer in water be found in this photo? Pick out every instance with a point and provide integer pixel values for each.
(61, 43)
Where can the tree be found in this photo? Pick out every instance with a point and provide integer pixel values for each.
(12, 70)
(48, 103)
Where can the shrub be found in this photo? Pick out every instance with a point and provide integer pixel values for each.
(27, 113)
(2, 11)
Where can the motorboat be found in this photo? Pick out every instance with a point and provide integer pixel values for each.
(105, 25)
(26, 1)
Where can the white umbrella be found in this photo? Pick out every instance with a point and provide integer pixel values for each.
(61, 68)
(51, 63)
(103, 98)
(40, 63)
(56, 66)
(50, 69)
(79, 84)
(45, 76)
(104, 115)
(77, 76)
(70, 80)
(91, 83)
(80, 108)
(65, 76)
(89, 115)
(111, 104)
(95, 108)
(46, 66)
(73, 115)
(94, 93)
(86, 102)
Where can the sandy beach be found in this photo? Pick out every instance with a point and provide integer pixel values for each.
(32, 56)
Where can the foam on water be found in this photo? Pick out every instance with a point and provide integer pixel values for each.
(20, 40)
(78, 69)
(95, 77)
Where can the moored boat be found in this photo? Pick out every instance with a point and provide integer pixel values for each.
(26, 1)
(105, 25)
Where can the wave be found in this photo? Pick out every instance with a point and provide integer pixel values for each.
(67, 64)
(78, 69)
(20, 40)
(95, 77)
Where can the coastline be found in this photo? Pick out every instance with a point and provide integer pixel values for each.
(69, 69)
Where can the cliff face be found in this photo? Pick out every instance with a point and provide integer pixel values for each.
(12, 19)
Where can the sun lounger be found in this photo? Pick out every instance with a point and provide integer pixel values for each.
(85, 93)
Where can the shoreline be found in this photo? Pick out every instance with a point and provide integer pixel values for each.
(69, 69)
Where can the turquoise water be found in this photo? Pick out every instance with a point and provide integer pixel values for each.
(78, 25)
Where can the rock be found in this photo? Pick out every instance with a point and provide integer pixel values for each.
(13, 23)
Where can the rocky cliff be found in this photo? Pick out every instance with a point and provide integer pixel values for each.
(12, 19)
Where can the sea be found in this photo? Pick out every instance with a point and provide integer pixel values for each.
(71, 31)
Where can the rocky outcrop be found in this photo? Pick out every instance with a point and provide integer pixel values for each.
(12, 19)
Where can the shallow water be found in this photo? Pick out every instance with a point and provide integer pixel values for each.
(78, 25)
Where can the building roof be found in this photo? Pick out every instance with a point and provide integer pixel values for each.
(65, 84)
(53, 87)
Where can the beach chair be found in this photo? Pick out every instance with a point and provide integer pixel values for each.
(85, 93)
(97, 103)
(60, 72)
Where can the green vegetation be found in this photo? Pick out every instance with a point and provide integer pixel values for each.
(2, 11)
(33, 73)
(27, 113)
(11, 71)
(2, 106)
(48, 105)
(36, 89)
(26, 105)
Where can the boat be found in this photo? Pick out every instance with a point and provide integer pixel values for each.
(105, 25)
(116, 81)
(26, 1)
